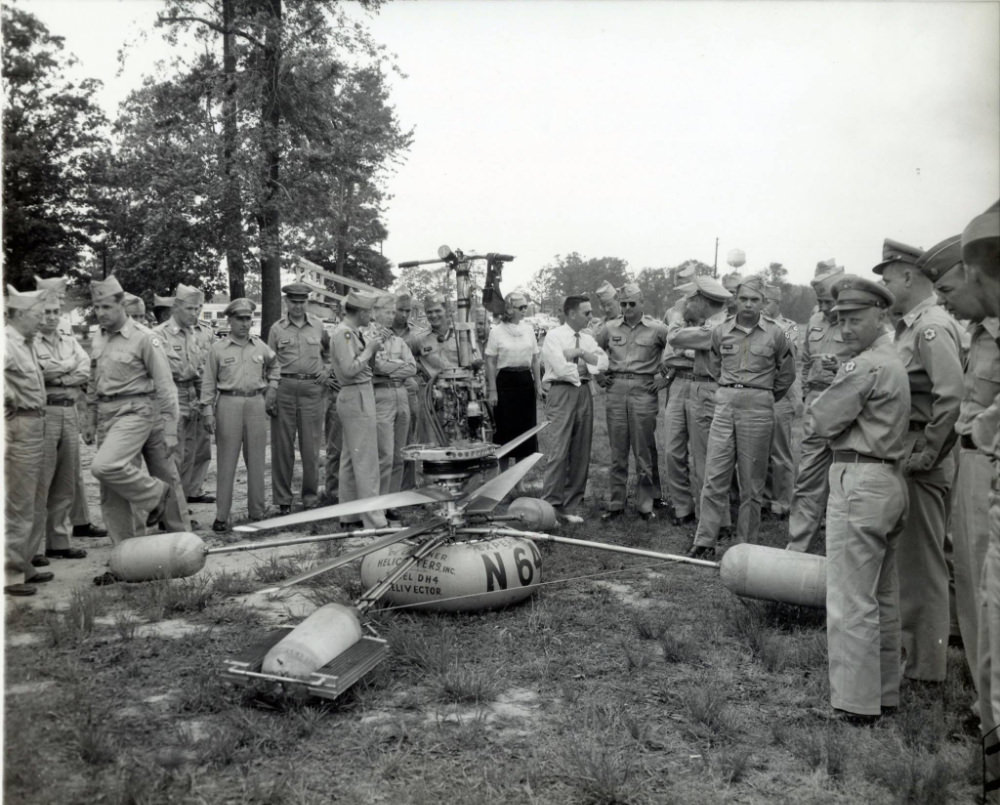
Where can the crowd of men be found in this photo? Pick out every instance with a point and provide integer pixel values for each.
(896, 377)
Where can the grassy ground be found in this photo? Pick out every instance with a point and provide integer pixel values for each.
(628, 681)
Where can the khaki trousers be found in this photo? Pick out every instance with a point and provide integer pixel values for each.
(676, 438)
(359, 470)
(569, 410)
(240, 427)
(631, 415)
(23, 449)
(392, 417)
(299, 413)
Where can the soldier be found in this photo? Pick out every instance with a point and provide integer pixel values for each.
(755, 366)
(823, 352)
(607, 298)
(130, 387)
(66, 369)
(781, 468)
(863, 414)
(24, 415)
(202, 458)
(928, 341)
(402, 327)
(437, 349)
(705, 310)
(393, 366)
(634, 343)
(163, 307)
(352, 361)
(240, 382)
(302, 346)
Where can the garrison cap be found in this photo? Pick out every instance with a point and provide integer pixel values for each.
(359, 299)
(732, 281)
(131, 300)
(102, 289)
(606, 291)
(941, 258)
(710, 288)
(855, 293)
(755, 282)
(981, 238)
(240, 307)
(384, 299)
(893, 251)
(57, 284)
(631, 291)
(298, 291)
(403, 294)
(772, 293)
(18, 300)
(185, 293)
(823, 283)
(824, 266)
(162, 301)
(434, 299)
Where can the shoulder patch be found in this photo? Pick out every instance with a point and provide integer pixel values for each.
(930, 334)
(155, 341)
(347, 336)
(850, 366)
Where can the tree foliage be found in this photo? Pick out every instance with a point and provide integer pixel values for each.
(574, 274)
(54, 141)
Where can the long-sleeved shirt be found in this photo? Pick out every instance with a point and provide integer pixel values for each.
(64, 363)
(929, 343)
(554, 363)
(303, 348)
(232, 366)
(185, 348)
(760, 357)
(635, 347)
(697, 339)
(347, 343)
(866, 407)
(24, 385)
(823, 339)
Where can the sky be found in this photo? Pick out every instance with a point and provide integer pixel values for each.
(646, 129)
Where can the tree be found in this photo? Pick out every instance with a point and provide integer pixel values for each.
(573, 274)
(54, 137)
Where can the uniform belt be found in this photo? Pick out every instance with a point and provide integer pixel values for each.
(235, 393)
(297, 376)
(683, 374)
(514, 369)
(966, 441)
(567, 382)
(36, 413)
(631, 375)
(744, 386)
(852, 457)
(60, 402)
(184, 383)
(388, 381)
(113, 397)
(916, 426)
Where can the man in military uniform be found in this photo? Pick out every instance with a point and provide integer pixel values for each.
(24, 416)
(929, 343)
(130, 387)
(240, 382)
(163, 307)
(781, 468)
(402, 327)
(302, 347)
(353, 355)
(437, 349)
(634, 343)
(704, 311)
(66, 369)
(202, 460)
(823, 352)
(755, 366)
(863, 413)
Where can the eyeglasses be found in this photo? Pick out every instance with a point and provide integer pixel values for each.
(521, 307)
(630, 304)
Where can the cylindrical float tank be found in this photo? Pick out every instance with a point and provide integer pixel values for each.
(459, 576)
(160, 556)
(774, 574)
(324, 635)
(534, 513)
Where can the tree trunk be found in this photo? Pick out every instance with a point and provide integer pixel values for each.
(232, 201)
(270, 217)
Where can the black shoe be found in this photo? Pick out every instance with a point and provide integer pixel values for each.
(89, 530)
(351, 525)
(647, 516)
(285, 508)
(66, 553)
(19, 589)
(40, 578)
(687, 519)
(661, 503)
(612, 514)
(159, 510)
(855, 719)
(106, 579)
(39, 561)
(203, 498)
(701, 552)
(725, 533)
(219, 526)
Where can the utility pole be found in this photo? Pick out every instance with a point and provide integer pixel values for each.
(715, 263)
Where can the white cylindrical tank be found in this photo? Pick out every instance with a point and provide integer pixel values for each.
(535, 513)
(459, 576)
(774, 574)
(324, 635)
(160, 556)
(736, 258)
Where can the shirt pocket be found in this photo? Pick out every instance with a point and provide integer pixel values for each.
(760, 357)
(118, 367)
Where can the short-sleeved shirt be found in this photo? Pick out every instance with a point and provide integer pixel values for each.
(24, 385)
(982, 373)
(698, 340)
(635, 347)
(436, 352)
(232, 366)
(513, 345)
(759, 357)
(302, 348)
(866, 407)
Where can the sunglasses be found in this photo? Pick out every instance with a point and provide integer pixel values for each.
(521, 307)
(630, 304)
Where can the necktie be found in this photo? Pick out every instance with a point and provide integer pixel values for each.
(581, 364)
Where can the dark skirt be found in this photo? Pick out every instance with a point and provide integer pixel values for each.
(516, 410)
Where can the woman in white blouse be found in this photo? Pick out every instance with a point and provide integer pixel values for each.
(513, 376)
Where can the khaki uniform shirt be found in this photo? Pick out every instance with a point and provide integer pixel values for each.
(302, 349)
(822, 339)
(185, 349)
(64, 364)
(24, 385)
(394, 360)
(232, 366)
(410, 335)
(634, 348)
(761, 358)
(347, 345)
(928, 341)
(436, 353)
(982, 374)
(698, 339)
(866, 407)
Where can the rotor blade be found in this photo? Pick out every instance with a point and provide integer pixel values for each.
(494, 490)
(411, 497)
(281, 543)
(371, 547)
(504, 449)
